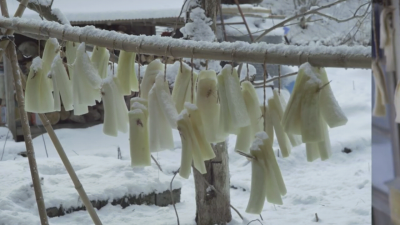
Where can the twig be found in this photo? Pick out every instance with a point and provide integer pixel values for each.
(4, 146)
(159, 167)
(275, 78)
(347, 19)
(261, 217)
(254, 220)
(316, 217)
(319, 89)
(172, 197)
(245, 155)
(295, 17)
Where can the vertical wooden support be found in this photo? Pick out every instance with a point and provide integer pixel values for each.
(9, 97)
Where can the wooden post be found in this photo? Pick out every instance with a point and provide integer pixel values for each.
(213, 208)
(10, 102)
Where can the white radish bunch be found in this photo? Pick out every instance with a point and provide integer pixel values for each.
(381, 97)
(38, 92)
(62, 85)
(115, 110)
(126, 73)
(311, 108)
(246, 134)
(208, 106)
(139, 135)
(149, 78)
(182, 90)
(162, 116)
(100, 58)
(191, 151)
(266, 178)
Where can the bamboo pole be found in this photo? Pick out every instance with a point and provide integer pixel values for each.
(323, 56)
(12, 56)
(70, 170)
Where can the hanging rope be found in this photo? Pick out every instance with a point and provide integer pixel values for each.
(165, 63)
(375, 36)
(247, 75)
(279, 79)
(181, 65)
(264, 87)
(139, 80)
(191, 75)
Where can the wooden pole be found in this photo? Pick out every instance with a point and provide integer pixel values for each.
(323, 56)
(12, 56)
(70, 170)
(9, 95)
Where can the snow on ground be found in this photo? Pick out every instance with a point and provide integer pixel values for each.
(338, 190)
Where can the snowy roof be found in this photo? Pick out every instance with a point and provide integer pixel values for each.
(105, 10)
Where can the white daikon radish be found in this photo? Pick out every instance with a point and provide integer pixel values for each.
(186, 156)
(100, 58)
(138, 105)
(186, 131)
(237, 107)
(206, 150)
(140, 100)
(139, 139)
(381, 97)
(165, 100)
(191, 92)
(324, 146)
(51, 49)
(386, 42)
(295, 140)
(311, 129)
(312, 150)
(207, 103)
(330, 109)
(38, 93)
(115, 110)
(258, 187)
(61, 84)
(397, 102)
(126, 72)
(226, 124)
(281, 136)
(291, 118)
(160, 131)
(181, 85)
(253, 106)
(149, 78)
(267, 123)
(244, 139)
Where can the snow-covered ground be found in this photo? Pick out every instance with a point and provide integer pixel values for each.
(338, 190)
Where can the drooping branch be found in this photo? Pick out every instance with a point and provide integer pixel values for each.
(340, 56)
(350, 18)
(47, 12)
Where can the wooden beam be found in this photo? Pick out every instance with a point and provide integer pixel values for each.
(338, 56)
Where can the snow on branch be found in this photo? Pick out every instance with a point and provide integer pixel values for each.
(324, 56)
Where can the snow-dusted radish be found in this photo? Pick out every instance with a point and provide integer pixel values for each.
(258, 190)
(207, 103)
(310, 114)
(38, 92)
(51, 49)
(139, 139)
(206, 150)
(236, 104)
(62, 85)
(167, 105)
(149, 78)
(100, 58)
(126, 73)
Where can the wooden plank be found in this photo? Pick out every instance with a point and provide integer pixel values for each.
(10, 100)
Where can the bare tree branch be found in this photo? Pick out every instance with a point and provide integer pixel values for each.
(347, 19)
(44, 11)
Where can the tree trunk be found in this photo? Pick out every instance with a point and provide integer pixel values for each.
(213, 208)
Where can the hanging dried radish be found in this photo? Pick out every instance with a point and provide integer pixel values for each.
(61, 84)
(100, 58)
(126, 74)
(139, 138)
(181, 85)
(38, 92)
(149, 78)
